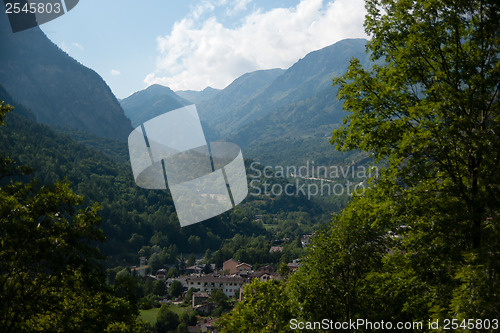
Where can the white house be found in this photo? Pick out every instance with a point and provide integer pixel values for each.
(228, 284)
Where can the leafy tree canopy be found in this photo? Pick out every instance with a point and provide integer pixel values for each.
(50, 275)
(176, 289)
(429, 107)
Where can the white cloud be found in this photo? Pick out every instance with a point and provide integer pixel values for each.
(115, 72)
(239, 6)
(201, 8)
(203, 52)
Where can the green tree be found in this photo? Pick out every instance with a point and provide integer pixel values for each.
(156, 262)
(148, 287)
(188, 318)
(160, 288)
(208, 256)
(182, 328)
(331, 281)
(176, 289)
(126, 286)
(207, 269)
(218, 297)
(172, 272)
(429, 109)
(218, 259)
(191, 260)
(265, 308)
(167, 320)
(189, 295)
(50, 277)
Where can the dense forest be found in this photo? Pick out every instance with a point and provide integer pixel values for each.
(132, 218)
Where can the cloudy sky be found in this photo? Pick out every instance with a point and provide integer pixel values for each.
(198, 43)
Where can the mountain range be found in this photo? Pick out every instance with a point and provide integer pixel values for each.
(259, 110)
(197, 97)
(269, 108)
(298, 85)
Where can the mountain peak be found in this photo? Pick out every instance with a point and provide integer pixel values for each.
(151, 102)
(159, 88)
(197, 97)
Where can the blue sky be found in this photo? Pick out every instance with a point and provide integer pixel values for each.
(198, 43)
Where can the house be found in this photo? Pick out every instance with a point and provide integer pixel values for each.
(266, 277)
(243, 267)
(263, 276)
(267, 269)
(181, 279)
(206, 325)
(161, 274)
(228, 284)
(194, 269)
(293, 265)
(229, 266)
(199, 298)
(205, 308)
(141, 270)
(274, 249)
(304, 240)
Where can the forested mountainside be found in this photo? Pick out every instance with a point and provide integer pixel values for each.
(277, 116)
(58, 89)
(133, 218)
(307, 78)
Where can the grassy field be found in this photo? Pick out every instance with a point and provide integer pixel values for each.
(151, 314)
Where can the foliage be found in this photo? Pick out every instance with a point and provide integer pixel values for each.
(218, 297)
(430, 109)
(255, 251)
(265, 308)
(176, 289)
(207, 269)
(133, 219)
(50, 275)
(335, 268)
(167, 320)
(191, 260)
(160, 288)
(188, 318)
(189, 295)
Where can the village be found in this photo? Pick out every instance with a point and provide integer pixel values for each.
(199, 284)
